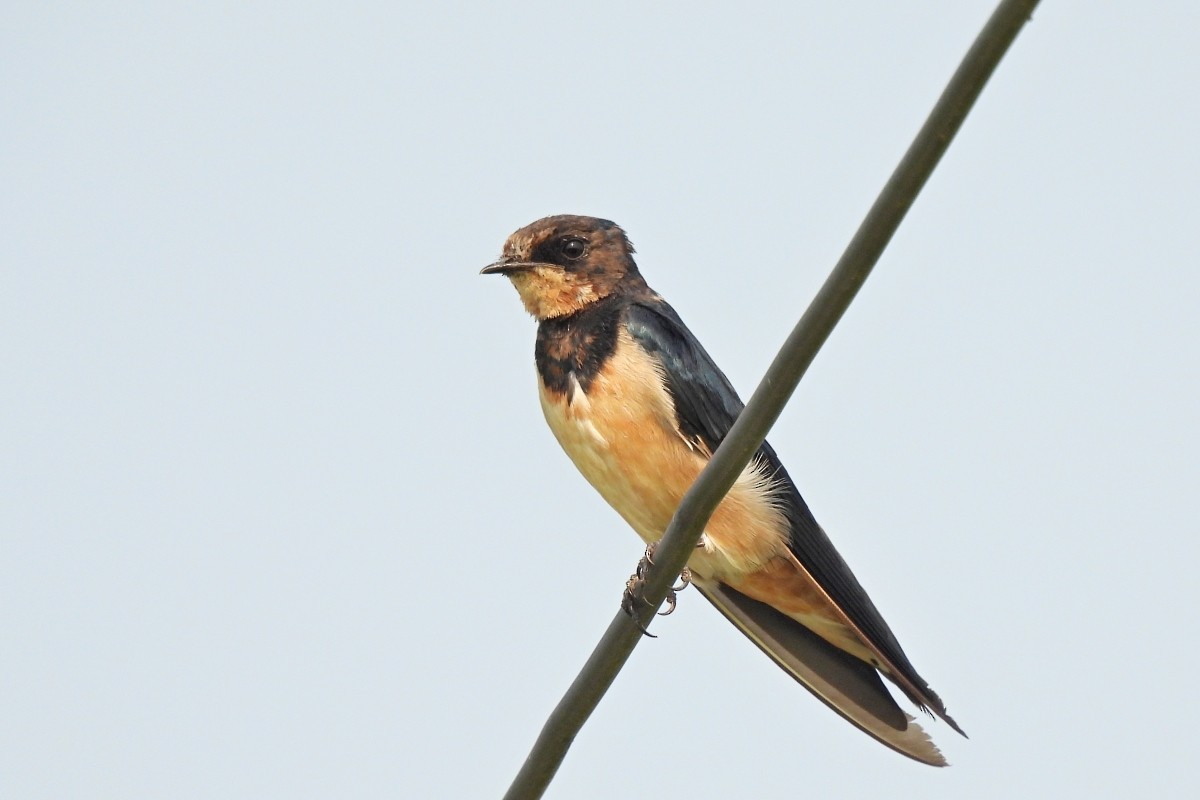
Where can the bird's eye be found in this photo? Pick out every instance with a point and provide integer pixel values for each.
(572, 248)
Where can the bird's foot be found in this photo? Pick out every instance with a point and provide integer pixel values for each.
(636, 585)
(632, 598)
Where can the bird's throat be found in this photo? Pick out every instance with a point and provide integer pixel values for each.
(547, 292)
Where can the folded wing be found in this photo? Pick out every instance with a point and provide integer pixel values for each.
(706, 406)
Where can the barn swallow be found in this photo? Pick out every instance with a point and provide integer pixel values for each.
(640, 407)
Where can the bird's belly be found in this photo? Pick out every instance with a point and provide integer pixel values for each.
(621, 434)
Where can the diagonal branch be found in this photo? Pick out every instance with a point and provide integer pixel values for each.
(773, 392)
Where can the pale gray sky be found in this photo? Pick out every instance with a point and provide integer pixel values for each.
(279, 513)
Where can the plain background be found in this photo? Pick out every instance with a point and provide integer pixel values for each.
(281, 518)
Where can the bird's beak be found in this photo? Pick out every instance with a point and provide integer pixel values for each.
(506, 267)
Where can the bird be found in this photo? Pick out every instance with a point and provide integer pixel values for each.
(640, 407)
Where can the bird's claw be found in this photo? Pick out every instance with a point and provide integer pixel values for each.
(670, 600)
(636, 582)
(685, 580)
(631, 598)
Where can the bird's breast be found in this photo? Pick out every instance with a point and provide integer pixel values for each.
(622, 434)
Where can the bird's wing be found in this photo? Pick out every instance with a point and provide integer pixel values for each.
(706, 406)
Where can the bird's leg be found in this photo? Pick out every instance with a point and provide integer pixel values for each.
(635, 585)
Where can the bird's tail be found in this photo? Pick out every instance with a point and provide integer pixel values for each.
(846, 684)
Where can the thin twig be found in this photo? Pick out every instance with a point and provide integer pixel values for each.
(772, 394)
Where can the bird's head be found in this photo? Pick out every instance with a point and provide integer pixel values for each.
(564, 263)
